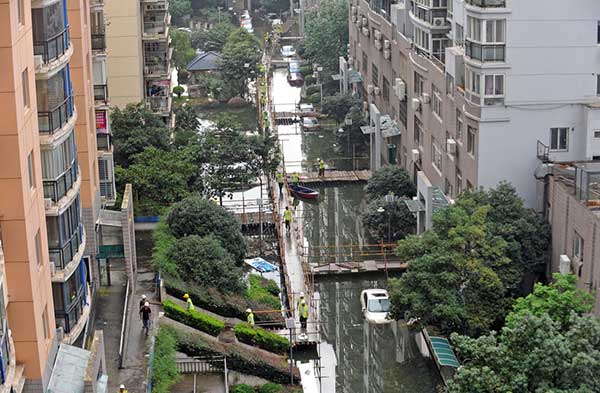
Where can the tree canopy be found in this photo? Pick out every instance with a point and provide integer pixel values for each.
(240, 60)
(183, 52)
(327, 34)
(338, 106)
(213, 39)
(390, 179)
(401, 221)
(197, 216)
(179, 10)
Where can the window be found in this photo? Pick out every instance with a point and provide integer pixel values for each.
(38, 248)
(418, 132)
(459, 188)
(421, 39)
(559, 139)
(386, 90)
(471, 140)
(494, 31)
(474, 28)
(45, 321)
(25, 83)
(494, 90)
(460, 35)
(374, 75)
(20, 14)
(447, 187)
(436, 101)
(30, 170)
(419, 84)
(449, 85)
(597, 134)
(469, 186)
(473, 86)
(578, 246)
(459, 128)
(365, 62)
(598, 85)
(436, 155)
(598, 33)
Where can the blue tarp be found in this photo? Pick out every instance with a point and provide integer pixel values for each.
(261, 265)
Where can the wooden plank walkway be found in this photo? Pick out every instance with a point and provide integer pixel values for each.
(357, 267)
(333, 177)
(285, 115)
(253, 218)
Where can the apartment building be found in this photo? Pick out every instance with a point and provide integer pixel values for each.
(472, 89)
(139, 58)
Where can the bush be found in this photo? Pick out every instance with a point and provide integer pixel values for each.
(309, 80)
(271, 388)
(242, 388)
(179, 90)
(263, 291)
(193, 318)
(306, 70)
(396, 221)
(314, 98)
(314, 89)
(390, 178)
(164, 373)
(261, 338)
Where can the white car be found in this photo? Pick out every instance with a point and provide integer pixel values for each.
(245, 15)
(288, 51)
(375, 305)
(307, 108)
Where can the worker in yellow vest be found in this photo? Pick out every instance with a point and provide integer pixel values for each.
(279, 177)
(303, 313)
(295, 178)
(321, 167)
(188, 301)
(250, 317)
(287, 217)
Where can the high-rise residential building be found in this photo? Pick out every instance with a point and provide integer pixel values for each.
(139, 58)
(471, 92)
(49, 184)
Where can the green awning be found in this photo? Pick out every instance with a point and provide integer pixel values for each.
(443, 352)
(111, 251)
(354, 76)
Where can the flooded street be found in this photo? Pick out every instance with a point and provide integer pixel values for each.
(366, 358)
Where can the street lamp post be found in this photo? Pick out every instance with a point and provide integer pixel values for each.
(390, 198)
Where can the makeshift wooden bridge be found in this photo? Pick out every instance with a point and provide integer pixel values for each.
(333, 176)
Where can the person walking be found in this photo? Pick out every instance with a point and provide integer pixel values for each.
(279, 176)
(287, 217)
(146, 316)
(122, 389)
(250, 317)
(321, 167)
(142, 302)
(188, 301)
(295, 178)
(303, 313)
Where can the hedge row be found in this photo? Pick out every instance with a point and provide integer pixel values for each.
(164, 372)
(261, 338)
(195, 319)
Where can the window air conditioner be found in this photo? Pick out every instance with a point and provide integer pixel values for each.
(416, 104)
(365, 21)
(386, 44)
(387, 54)
(439, 22)
(47, 203)
(354, 10)
(376, 90)
(451, 146)
(425, 98)
(377, 35)
(354, 19)
(400, 88)
(365, 106)
(365, 31)
(416, 155)
(378, 45)
(370, 89)
(565, 265)
(359, 22)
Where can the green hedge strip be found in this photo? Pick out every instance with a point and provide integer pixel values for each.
(261, 338)
(195, 319)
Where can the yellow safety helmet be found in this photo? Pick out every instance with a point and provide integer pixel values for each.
(186, 296)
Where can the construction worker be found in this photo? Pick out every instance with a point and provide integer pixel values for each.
(301, 298)
(321, 167)
(250, 317)
(122, 389)
(279, 176)
(303, 313)
(142, 301)
(295, 179)
(287, 217)
(146, 315)
(189, 304)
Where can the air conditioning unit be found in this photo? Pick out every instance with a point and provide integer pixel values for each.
(52, 268)
(400, 87)
(354, 10)
(376, 90)
(38, 60)
(365, 21)
(359, 22)
(416, 155)
(370, 89)
(377, 35)
(354, 18)
(365, 106)
(386, 44)
(564, 266)
(425, 98)
(416, 104)
(378, 45)
(365, 31)
(47, 203)
(387, 54)
(439, 22)
(451, 146)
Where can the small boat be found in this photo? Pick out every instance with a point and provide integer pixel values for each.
(304, 192)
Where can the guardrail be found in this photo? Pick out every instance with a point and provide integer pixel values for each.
(53, 47)
(150, 367)
(54, 119)
(123, 326)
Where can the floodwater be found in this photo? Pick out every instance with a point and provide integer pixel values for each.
(356, 357)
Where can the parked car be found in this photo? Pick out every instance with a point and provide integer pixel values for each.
(375, 305)
(295, 79)
(310, 123)
(294, 66)
(288, 51)
(307, 108)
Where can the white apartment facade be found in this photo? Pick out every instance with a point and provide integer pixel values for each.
(480, 90)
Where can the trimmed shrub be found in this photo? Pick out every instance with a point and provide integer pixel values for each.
(263, 291)
(164, 373)
(306, 70)
(193, 318)
(271, 388)
(314, 89)
(309, 80)
(242, 388)
(261, 338)
(314, 98)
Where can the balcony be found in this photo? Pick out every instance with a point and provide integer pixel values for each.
(158, 103)
(99, 41)
(57, 189)
(157, 69)
(51, 121)
(485, 52)
(155, 29)
(62, 256)
(101, 94)
(487, 3)
(52, 48)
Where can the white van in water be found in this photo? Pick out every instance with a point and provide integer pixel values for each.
(375, 305)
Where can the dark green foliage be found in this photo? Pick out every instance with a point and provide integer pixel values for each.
(179, 90)
(263, 291)
(310, 80)
(242, 388)
(275, 5)
(213, 39)
(339, 105)
(197, 216)
(327, 34)
(204, 260)
(261, 338)
(390, 179)
(180, 10)
(183, 52)
(306, 70)
(164, 372)
(314, 98)
(396, 217)
(313, 89)
(196, 319)
(241, 48)
(134, 129)
(271, 388)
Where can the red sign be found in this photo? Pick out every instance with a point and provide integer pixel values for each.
(101, 121)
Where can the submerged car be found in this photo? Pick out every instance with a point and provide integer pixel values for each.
(294, 66)
(375, 305)
(310, 124)
(288, 51)
(295, 79)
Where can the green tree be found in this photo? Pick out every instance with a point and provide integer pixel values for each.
(214, 86)
(213, 39)
(390, 179)
(180, 10)
(327, 34)
(134, 129)
(186, 118)
(204, 261)
(559, 300)
(197, 216)
(240, 60)
(152, 173)
(396, 218)
(275, 5)
(339, 105)
(183, 52)
(179, 90)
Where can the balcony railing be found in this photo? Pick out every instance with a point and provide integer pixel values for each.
(543, 152)
(5, 352)
(485, 52)
(101, 94)
(158, 104)
(156, 69)
(487, 3)
(53, 120)
(155, 28)
(98, 41)
(53, 47)
(62, 256)
(56, 189)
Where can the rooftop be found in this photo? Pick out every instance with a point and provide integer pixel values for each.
(206, 61)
